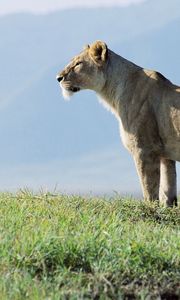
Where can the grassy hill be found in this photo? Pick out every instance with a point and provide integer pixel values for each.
(69, 247)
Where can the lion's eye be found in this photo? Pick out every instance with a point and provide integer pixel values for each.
(78, 63)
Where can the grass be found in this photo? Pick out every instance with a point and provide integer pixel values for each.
(70, 247)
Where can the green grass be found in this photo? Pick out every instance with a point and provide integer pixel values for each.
(70, 247)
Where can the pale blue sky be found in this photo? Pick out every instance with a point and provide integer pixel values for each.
(46, 142)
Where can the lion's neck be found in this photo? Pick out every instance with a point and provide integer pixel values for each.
(114, 92)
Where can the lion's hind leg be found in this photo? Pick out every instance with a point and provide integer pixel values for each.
(168, 187)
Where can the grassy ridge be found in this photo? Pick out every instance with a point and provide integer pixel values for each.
(68, 247)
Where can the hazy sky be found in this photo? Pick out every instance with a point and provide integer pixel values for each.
(45, 6)
(45, 145)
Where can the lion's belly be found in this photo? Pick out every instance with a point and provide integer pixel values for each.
(172, 149)
(165, 140)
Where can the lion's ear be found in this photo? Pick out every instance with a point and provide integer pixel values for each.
(98, 52)
(86, 47)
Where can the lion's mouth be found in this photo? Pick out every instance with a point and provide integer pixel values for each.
(74, 89)
(68, 90)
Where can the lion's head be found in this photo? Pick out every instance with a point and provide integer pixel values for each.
(85, 71)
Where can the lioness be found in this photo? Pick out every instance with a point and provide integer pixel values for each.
(147, 106)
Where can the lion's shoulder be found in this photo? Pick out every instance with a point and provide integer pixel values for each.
(161, 77)
(157, 76)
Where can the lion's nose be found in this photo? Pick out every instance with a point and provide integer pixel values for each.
(59, 78)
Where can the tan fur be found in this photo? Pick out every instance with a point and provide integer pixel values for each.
(147, 106)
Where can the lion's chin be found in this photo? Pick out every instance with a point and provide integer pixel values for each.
(68, 93)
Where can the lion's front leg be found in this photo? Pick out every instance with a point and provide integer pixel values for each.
(168, 188)
(148, 168)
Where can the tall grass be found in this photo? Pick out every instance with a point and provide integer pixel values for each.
(70, 247)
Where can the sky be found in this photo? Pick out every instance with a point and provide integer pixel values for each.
(148, 34)
(46, 6)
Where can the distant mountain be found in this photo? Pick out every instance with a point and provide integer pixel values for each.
(32, 44)
(36, 125)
